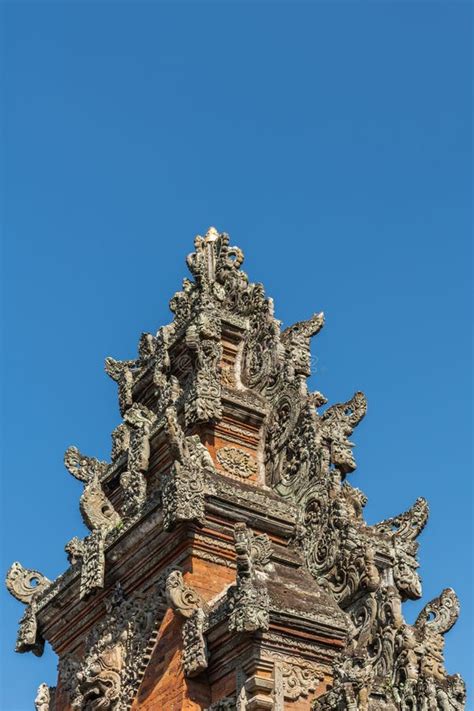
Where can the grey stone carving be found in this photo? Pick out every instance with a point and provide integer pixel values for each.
(29, 638)
(25, 584)
(44, 700)
(93, 563)
(194, 644)
(237, 461)
(96, 510)
(248, 600)
(182, 598)
(183, 486)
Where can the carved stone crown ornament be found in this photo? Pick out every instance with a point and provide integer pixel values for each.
(227, 563)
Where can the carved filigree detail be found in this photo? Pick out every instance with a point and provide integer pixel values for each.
(297, 340)
(440, 614)
(203, 341)
(140, 420)
(93, 563)
(337, 424)
(116, 652)
(96, 509)
(74, 550)
(236, 461)
(194, 644)
(299, 679)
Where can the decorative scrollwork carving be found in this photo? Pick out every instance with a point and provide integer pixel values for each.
(181, 597)
(25, 584)
(408, 525)
(296, 340)
(440, 614)
(82, 467)
(183, 486)
(29, 638)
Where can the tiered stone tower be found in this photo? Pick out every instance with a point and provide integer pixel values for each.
(228, 564)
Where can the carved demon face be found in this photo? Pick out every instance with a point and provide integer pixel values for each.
(100, 682)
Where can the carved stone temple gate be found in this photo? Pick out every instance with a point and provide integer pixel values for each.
(228, 564)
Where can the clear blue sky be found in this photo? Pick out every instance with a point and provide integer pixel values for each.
(332, 141)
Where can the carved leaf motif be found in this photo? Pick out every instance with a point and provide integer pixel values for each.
(300, 679)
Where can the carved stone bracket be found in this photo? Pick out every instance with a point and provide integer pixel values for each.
(29, 638)
(183, 487)
(93, 564)
(249, 602)
(194, 644)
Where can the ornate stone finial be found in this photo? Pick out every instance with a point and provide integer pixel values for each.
(211, 235)
(213, 258)
(296, 340)
(25, 584)
(122, 372)
(181, 597)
